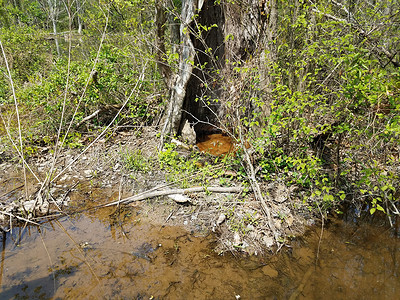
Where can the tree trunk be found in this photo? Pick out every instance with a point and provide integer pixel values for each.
(219, 42)
(53, 16)
(218, 38)
(204, 87)
(78, 14)
(178, 82)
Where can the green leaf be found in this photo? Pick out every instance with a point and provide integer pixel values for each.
(380, 208)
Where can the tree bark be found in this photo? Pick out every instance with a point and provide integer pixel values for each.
(180, 80)
(79, 10)
(215, 40)
(53, 11)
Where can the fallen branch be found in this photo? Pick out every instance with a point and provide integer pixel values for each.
(88, 118)
(19, 218)
(258, 194)
(147, 195)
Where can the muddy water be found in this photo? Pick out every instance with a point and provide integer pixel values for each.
(103, 255)
(216, 144)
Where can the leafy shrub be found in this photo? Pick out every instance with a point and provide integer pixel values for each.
(333, 127)
(29, 54)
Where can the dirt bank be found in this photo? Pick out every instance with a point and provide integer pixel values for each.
(127, 164)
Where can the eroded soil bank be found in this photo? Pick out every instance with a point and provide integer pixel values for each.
(129, 163)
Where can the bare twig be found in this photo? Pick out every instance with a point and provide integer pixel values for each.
(119, 199)
(255, 186)
(19, 218)
(50, 260)
(13, 190)
(21, 150)
(320, 236)
(135, 88)
(88, 118)
(57, 146)
(79, 250)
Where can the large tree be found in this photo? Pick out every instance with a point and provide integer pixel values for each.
(315, 81)
(215, 37)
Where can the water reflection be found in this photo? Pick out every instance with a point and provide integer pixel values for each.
(88, 257)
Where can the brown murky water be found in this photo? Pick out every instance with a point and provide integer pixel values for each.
(95, 255)
(216, 144)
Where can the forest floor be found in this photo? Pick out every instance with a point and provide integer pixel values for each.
(114, 166)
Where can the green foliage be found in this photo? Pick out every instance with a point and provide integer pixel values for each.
(178, 167)
(73, 140)
(135, 161)
(193, 169)
(123, 16)
(28, 13)
(334, 123)
(116, 74)
(40, 81)
(334, 128)
(28, 53)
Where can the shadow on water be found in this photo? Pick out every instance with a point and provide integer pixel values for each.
(91, 256)
(41, 288)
